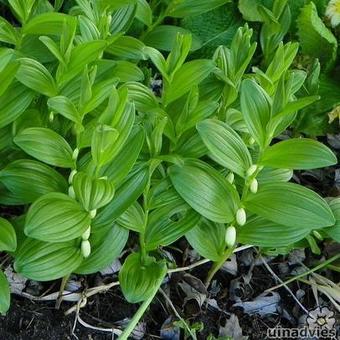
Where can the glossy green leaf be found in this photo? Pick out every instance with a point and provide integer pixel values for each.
(146, 277)
(106, 246)
(8, 240)
(14, 101)
(270, 175)
(163, 37)
(118, 169)
(65, 107)
(184, 8)
(82, 55)
(125, 195)
(49, 24)
(42, 261)
(56, 217)
(205, 190)
(35, 76)
(256, 110)
(263, 233)
(225, 145)
(8, 34)
(189, 75)
(167, 224)
(208, 239)
(7, 75)
(126, 47)
(133, 218)
(292, 205)
(5, 294)
(144, 12)
(298, 154)
(45, 145)
(103, 142)
(92, 193)
(19, 175)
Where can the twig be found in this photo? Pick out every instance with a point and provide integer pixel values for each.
(108, 330)
(284, 285)
(310, 271)
(177, 314)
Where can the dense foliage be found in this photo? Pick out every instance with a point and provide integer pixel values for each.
(130, 119)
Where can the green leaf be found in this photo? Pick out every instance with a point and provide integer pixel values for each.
(183, 8)
(126, 47)
(144, 12)
(92, 193)
(316, 40)
(49, 24)
(263, 233)
(127, 71)
(256, 110)
(7, 75)
(334, 231)
(106, 246)
(189, 75)
(125, 195)
(205, 190)
(8, 33)
(118, 169)
(65, 107)
(167, 224)
(8, 239)
(35, 76)
(5, 294)
(56, 217)
(138, 280)
(163, 37)
(42, 261)
(45, 145)
(14, 102)
(22, 9)
(133, 218)
(208, 239)
(225, 145)
(103, 141)
(142, 96)
(19, 175)
(269, 175)
(82, 55)
(292, 205)
(298, 154)
(250, 9)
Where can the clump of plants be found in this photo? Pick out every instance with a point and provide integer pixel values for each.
(92, 155)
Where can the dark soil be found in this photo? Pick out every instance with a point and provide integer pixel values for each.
(40, 320)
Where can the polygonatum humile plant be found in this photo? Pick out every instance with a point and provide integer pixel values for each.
(92, 155)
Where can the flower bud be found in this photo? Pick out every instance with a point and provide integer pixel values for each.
(230, 177)
(85, 248)
(254, 185)
(72, 174)
(75, 154)
(317, 235)
(251, 141)
(71, 192)
(51, 117)
(251, 170)
(241, 217)
(86, 234)
(230, 236)
(93, 213)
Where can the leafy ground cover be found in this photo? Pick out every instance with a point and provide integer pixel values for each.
(168, 168)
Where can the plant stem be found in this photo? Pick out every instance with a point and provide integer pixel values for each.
(218, 265)
(140, 312)
(61, 290)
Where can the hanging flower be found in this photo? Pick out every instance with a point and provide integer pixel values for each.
(333, 12)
